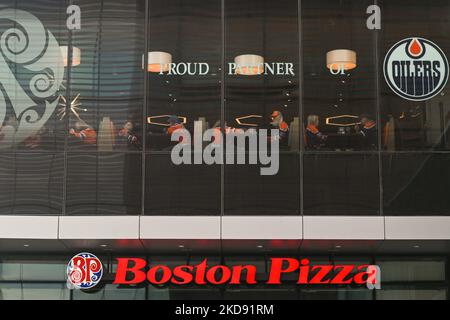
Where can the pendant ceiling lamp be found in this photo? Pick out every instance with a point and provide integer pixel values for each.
(158, 61)
(249, 64)
(76, 55)
(341, 58)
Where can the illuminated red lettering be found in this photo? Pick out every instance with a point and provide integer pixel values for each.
(136, 270)
(277, 270)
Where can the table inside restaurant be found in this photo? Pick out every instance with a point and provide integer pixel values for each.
(343, 142)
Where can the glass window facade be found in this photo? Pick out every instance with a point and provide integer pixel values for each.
(86, 114)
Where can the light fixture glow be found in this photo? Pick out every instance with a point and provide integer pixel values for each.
(153, 120)
(158, 61)
(331, 120)
(242, 123)
(249, 64)
(341, 58)
(76, 55)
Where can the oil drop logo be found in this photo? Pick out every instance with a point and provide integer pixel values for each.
(416, 69)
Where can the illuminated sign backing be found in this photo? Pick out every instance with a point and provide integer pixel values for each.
(132, 271)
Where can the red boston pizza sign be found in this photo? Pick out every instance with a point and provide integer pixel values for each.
(136, 270)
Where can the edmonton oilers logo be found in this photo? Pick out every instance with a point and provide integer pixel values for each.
(84, 271)
(416, 69)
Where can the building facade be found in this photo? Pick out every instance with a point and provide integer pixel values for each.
(89, 94)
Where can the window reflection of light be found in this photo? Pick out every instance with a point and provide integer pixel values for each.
(330, 120)
(240, 122)
(151, 120)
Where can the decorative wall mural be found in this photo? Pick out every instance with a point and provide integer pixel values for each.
(27, 46)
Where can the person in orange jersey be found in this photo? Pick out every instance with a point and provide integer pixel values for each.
(175, 124)
(276, 120)
(313, 137)
(84, 133)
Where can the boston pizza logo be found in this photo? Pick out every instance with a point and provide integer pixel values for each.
(84, 271)
(416, 69)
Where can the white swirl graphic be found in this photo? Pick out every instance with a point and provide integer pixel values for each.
(28, 45)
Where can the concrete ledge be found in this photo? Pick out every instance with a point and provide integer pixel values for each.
(99, 227)
(418, 228)
(29, 227)
(262, 227)
(343, 228)
(226, 228)
(180, 227)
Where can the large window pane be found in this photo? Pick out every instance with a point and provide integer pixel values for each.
(34, 291)
(261, 93)
(189, 32)
(104, 184)
(339, 105)
(107, 83)
(31, 79)
(414, 125)
(111, 292)
(31, 183)
(249, 192)
(32, 269)
(268, 30)
(412, 270)
(416, 184)
(341, 184)
(181, 190)
(411, 293)
(336, 294)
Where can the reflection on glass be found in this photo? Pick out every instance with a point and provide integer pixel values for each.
(31, 183)
(260, 292)
(410, 293)
(261, 80)
(33, 76)
(184, 68)
(336, 294)
(416, 184)
(100, 184)
(410, 270)
(247, 192)
(339, 94)
(104, 112)
(341, 184)
(33, 291)
(414, 125)
(170, 189)
(111, 292)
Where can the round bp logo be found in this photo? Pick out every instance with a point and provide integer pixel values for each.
(84, 271)
(416, 69)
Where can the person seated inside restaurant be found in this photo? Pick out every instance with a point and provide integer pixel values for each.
(175, 123)
(217, 138)
(314, 138)
(128, 132)
(277, 122)
(84, 133)
(368, 131)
